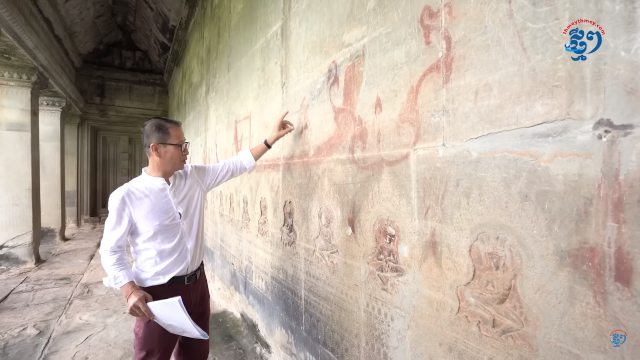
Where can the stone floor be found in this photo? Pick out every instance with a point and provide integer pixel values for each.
(61, 310)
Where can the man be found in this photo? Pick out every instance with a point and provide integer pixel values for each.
(160, 213)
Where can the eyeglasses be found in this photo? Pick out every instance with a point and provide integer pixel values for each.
(184, 146)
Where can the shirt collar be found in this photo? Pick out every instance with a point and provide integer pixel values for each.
(155, 179)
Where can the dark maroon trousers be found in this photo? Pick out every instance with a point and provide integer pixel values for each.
(153, 342)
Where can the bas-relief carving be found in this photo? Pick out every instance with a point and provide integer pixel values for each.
(245, 213)
(263, 222)
(491, 298)
(221, 203)
(288, 234)
(232, 212)
(324, 246)
(384, 263)
(384, 329)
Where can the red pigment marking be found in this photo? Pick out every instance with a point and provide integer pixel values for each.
(608, 211)
(349, 124)
(238, 142)
(351, 224)
(343, 121)
(351, 221)
(379, 137)
(428, 15)
(623, 267)
(377, 108)
(433, 243)
(589, 258)
(305, 127)
(426, 211)
(623, 270)
(409, 114)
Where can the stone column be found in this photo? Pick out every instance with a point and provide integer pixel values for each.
(51, 162)
(20, 162)
(71, 122)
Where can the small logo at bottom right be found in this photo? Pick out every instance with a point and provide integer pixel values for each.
(618, 337)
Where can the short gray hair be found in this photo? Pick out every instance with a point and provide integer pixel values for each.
(156, 130)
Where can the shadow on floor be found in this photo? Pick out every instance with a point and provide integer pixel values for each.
(236, 338)
(9, 262)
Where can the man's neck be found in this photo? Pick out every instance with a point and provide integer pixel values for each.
(155, 172)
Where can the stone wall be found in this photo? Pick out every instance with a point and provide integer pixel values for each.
(456, 187)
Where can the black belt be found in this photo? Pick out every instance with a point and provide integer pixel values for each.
(189, 278)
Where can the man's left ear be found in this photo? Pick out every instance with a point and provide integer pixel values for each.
(154, 149)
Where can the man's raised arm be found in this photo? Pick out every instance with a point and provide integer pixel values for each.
(216, 174)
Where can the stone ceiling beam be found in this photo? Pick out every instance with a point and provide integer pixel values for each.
(50, 11)
(23, 23)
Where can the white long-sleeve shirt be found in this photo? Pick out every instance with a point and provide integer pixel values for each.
(163, 223)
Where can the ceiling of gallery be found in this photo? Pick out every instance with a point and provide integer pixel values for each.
(134, 35)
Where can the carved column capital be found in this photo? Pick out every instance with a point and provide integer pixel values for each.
(18, 76)
(52, 103)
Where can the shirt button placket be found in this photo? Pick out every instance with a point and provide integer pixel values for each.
(173, 203)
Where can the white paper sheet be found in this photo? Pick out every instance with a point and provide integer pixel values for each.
(171, 315)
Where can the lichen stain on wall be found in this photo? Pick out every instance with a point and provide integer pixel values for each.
(436, 200)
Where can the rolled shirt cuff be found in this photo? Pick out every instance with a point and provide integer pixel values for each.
(118, 280)
(247, 159)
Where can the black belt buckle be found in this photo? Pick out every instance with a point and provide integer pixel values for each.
(190, 279)
(195, 275)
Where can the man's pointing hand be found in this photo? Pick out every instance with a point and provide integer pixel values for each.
(282, 128)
